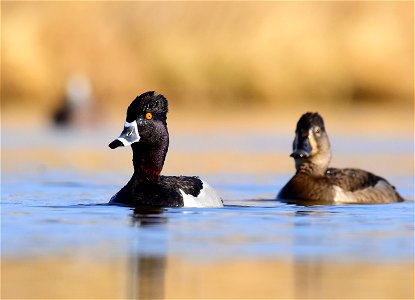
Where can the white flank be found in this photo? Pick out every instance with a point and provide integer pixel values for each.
(382, 192)
(340, 195)
(206, 198)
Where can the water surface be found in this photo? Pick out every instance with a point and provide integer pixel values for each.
(61, 240)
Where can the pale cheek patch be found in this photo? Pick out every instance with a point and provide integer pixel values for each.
(313, 143)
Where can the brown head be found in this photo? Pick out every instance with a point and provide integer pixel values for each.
(311, 146)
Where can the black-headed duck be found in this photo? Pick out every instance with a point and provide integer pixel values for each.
(146, 131)
(315, 183)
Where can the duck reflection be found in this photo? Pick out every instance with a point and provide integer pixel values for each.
(147, 216)
(309, 274)
(148, 262)
(304, 203)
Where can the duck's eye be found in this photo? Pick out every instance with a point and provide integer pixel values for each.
(317, 130)
(149, 116)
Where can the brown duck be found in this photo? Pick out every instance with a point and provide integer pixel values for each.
(315, 183)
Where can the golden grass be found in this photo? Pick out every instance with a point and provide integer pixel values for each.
(213, 54)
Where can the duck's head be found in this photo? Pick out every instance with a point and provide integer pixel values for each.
(145, 123)
(311, 144)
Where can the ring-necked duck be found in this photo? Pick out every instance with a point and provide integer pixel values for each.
(315, 183)
(146, 131)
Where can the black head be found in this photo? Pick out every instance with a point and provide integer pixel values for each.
(311, 143)
(145, 122)
(149, 102)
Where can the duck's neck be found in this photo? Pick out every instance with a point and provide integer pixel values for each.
(316, 166)
(308, 168)
(148, 161)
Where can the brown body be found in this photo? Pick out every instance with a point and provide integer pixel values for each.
(315, 183)
(339, 186)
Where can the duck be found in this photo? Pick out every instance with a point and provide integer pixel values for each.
(315, 183)
(77, 108)
(145, 130)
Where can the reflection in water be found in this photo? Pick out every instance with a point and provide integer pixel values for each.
(160, 272)
(307, 273)
(148, 270)
(307, 213)
(147, 215)
(251, 249)
(150, 277)
(301, 202)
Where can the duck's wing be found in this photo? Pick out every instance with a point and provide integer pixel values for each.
(194, 191)
(191, 185)
(352, 179)
(359, 186)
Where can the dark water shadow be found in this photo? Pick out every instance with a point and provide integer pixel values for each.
(148, 271)
(148, 216)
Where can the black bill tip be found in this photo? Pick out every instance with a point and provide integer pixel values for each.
(115, 143)
(299, 154)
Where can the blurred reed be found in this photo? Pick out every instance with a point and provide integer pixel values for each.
(210, 54)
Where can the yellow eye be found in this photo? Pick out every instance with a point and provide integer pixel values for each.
(149, 116)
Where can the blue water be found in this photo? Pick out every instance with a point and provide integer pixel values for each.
(61, 212)
(55, 186)
(49, 210)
